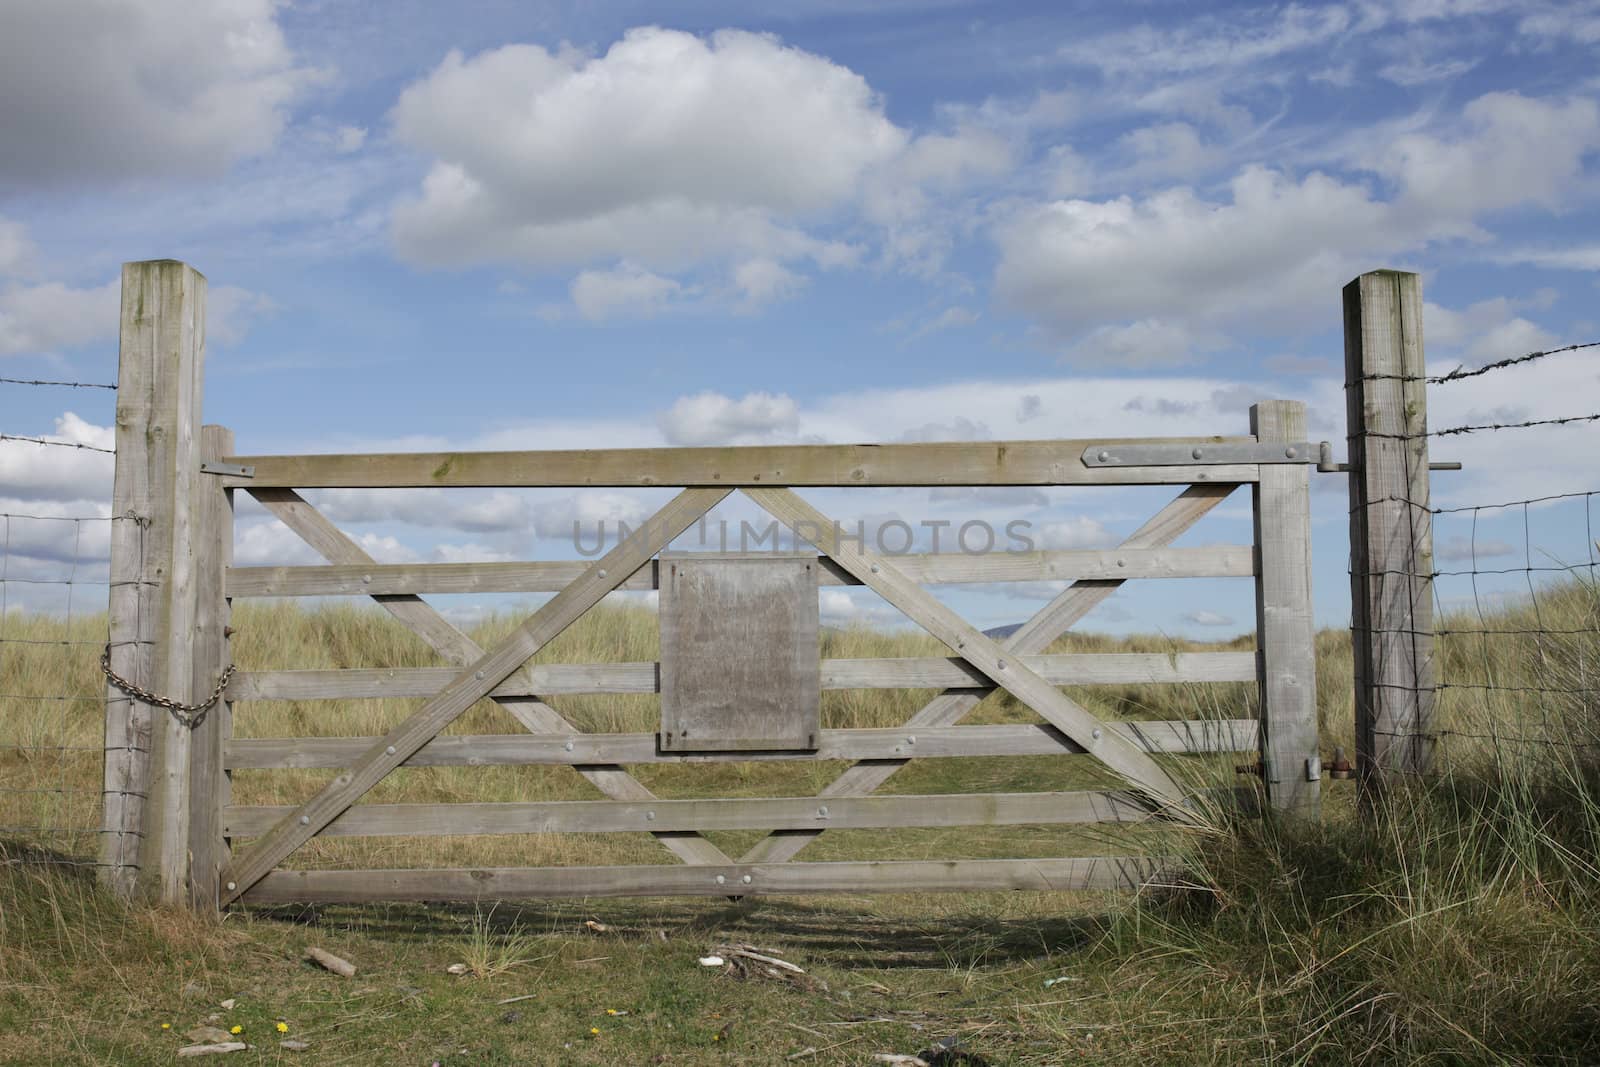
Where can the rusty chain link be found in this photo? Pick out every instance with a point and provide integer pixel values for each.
(189, 715)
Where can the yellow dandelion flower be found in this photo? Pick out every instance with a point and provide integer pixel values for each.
(611, 1011)
(716, 1037)
(166, 1026)
(594, 1031)
(283, 1027)
(236, 1030)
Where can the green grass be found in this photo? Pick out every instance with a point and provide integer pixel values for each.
(1461, 927)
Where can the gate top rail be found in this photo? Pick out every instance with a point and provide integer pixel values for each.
(964, 463)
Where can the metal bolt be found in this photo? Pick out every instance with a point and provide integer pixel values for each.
(721, 880)
(822, 813)
(366, 579)
(602, 572)
(479, 675)
(305, 820)
(569, 746)
(649, 816)
(1104, 456)
(747, 879)
(232, 886)
(1122, 563)
(911, 740)
(1197, 453)
(874, 568)
(1002, 665)
(1095, 733)
(390, 750)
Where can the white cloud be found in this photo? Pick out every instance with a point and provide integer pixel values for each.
(1577, 257)
(231, 311)
(762, 281)
(589, 514)
(124, 88)
(51, 316)
(850, 607)
(16, 250)
(497, 511)
(1484, 331)
(715, 419)
(350, 139)
(47, 316)
(951, 318)
(1204, 617)
(667, 149)
(604, 294)
(1507, 150)
(1211, 41)
(1146, 343)
(958, 428)
(1277, 245)
(1418, 71)
(469, 553)
(40, 472)
(1078, 532)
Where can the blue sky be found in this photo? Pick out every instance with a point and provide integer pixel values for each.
(523, 225)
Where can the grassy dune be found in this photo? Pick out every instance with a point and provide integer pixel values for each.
(1463, 926)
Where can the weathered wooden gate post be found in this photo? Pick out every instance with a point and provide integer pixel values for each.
(1291, 766)
(152, 596)
(1391, 526)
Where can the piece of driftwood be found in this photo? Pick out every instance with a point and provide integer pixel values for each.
(212, 1050)
(342, 968)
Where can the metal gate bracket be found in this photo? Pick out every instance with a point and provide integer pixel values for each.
(232, 470)
(1135, 455)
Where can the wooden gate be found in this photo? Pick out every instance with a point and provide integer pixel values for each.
(215, 867)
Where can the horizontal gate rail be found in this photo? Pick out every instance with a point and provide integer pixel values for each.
(965, 463)
(1184, 736)
(731, 813)
(557, 679)
(755, 880)
(1001, 565)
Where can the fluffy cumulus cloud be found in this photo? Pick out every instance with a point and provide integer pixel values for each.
(115, 89)
(731, 155)
(714, 419)
(49, 316)
(1098, 272)
(40, 472)
(666, 147)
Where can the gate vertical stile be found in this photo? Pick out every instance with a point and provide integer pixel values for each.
(210, 784)
(1291, 768)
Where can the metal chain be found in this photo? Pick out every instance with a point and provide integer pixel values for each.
(189, 715)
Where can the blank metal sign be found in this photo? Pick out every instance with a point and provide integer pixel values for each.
(740, 660)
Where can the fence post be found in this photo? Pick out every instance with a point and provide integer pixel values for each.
(152, 596)
(1286, 657)
(1391, 526)
(210, 786)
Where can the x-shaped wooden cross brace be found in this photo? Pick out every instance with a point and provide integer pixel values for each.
(484, 673)
(1034, 636)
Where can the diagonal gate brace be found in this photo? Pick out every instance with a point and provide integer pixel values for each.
(470, 686)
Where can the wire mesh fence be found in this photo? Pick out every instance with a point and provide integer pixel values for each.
(54, 584)
(1515, 600)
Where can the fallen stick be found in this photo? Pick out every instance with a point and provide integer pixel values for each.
(212, 1050)
(343, 968)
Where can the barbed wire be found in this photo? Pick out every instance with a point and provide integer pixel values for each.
(1518, 663)
(57, 444)
(1461, 373)
(69, 385)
